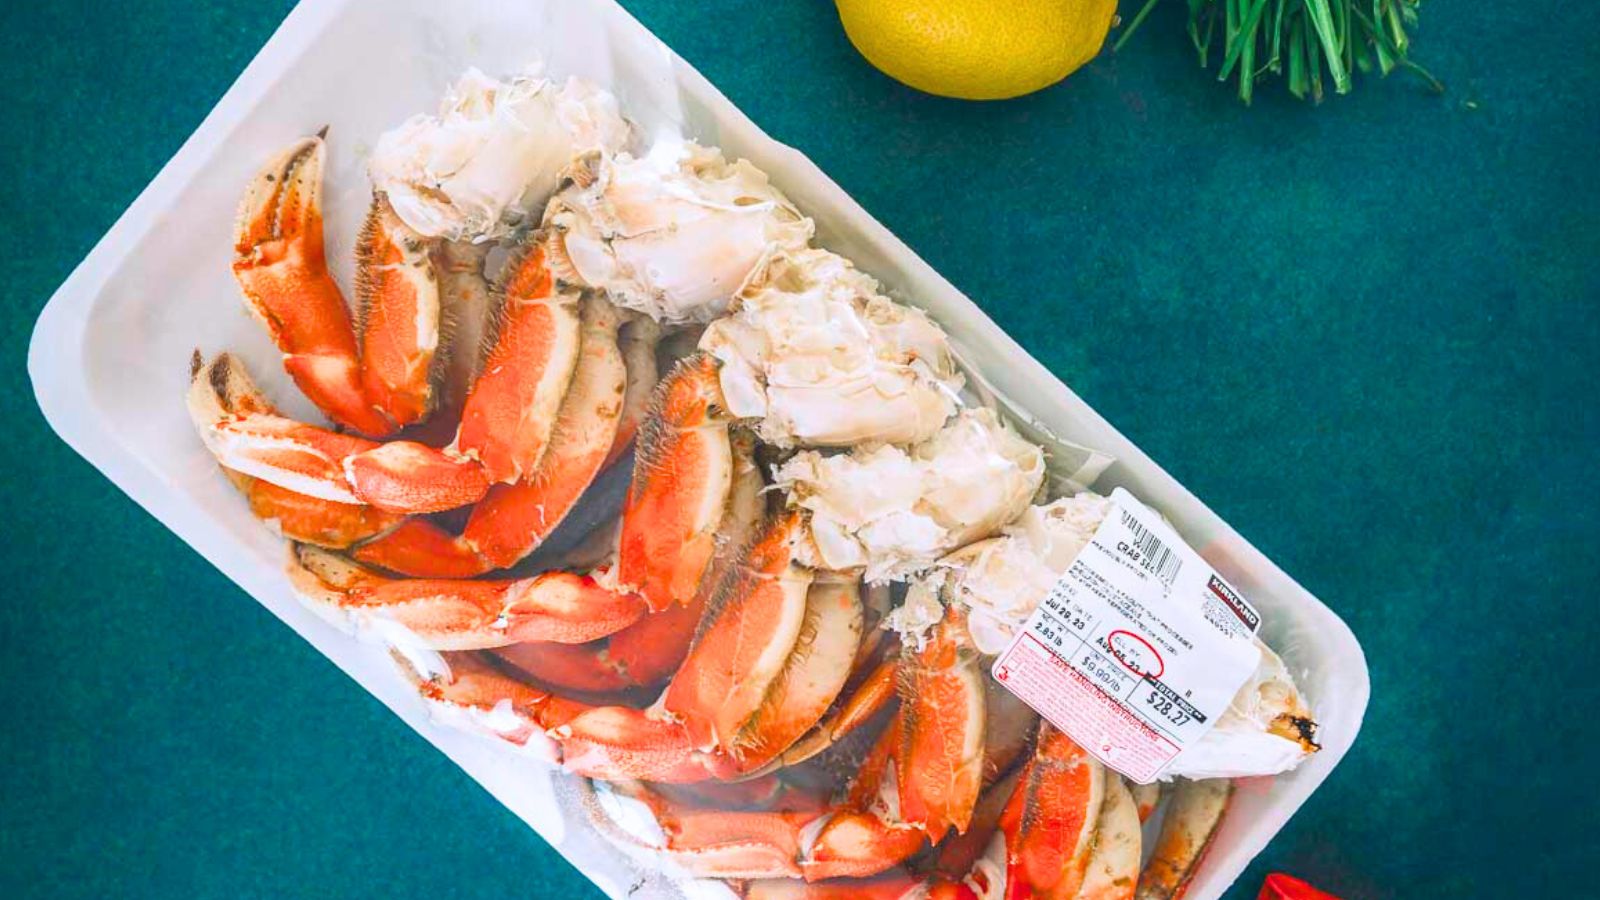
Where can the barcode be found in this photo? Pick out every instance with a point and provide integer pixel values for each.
(1156, 557)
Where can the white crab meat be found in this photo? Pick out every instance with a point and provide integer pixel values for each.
(1005, 581)
(1002, 581)
(893, 512)
(1254, 737)
(818, 357)
(494, 154)
(987, 879)
(675, 233)
(919, 611)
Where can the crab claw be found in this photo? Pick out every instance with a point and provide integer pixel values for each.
(717, 841)
(279, 264)
(1049, 824)
(752, 623)
(615, 743)
(470, 693)
(875, 693)
(649, 651)
(866, 836)
(247, 435)
(421, 549)
(942, 700)
(794, 838)
(682, 470)
(1113, 871)
(812, 677)
(1008, 735)
(642, 655)
(606, 742)
(397, 295)
(1191, 823)
(446, 614)
(513, 519)
(738, 843)
(959, 854)
(408, 477)
(859, 844)
(512, 407)
(309, 520)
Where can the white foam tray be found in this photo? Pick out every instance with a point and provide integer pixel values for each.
(109, 353)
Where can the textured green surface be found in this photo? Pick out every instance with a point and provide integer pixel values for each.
(1367, 335)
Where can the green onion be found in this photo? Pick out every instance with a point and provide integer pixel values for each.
(1300, 40)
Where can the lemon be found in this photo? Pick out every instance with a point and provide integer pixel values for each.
(977, 49)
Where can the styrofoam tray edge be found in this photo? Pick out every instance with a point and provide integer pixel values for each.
(60, 387)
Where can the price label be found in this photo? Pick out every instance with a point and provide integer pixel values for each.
(1138, 649)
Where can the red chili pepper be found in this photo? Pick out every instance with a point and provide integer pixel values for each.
(1286, 887)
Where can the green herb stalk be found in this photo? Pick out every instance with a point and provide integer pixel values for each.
(1309, 42)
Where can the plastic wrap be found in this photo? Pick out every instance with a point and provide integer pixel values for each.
(104, 364)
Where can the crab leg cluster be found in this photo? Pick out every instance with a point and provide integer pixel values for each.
(961, 795)
(730, 644)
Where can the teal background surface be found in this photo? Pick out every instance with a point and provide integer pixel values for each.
(1367, 334)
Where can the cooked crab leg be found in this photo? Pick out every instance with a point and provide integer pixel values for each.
(1035, 810)
(857, 838)
(650, 650)
(422, 549)
(247, 435)
(628, 660)
(613, 742)
(616, 742)
(743, 843)
(506, 423)
(873, 695)
(397, 301)
(1146, 797)
(681, 472)
(309, 520)
(867, 835)
(1191, 822)
(280, 265)
(513, 519)
(470, 689)
(281, 268)
(508, 523)
(609, 742)
(942, 700)
(638, 342)
(1049, 824)
(465, 318)
(812, 676)
(511, 408)
(296, 516)
(1113, 871)
(752, 623)
(447, 614)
